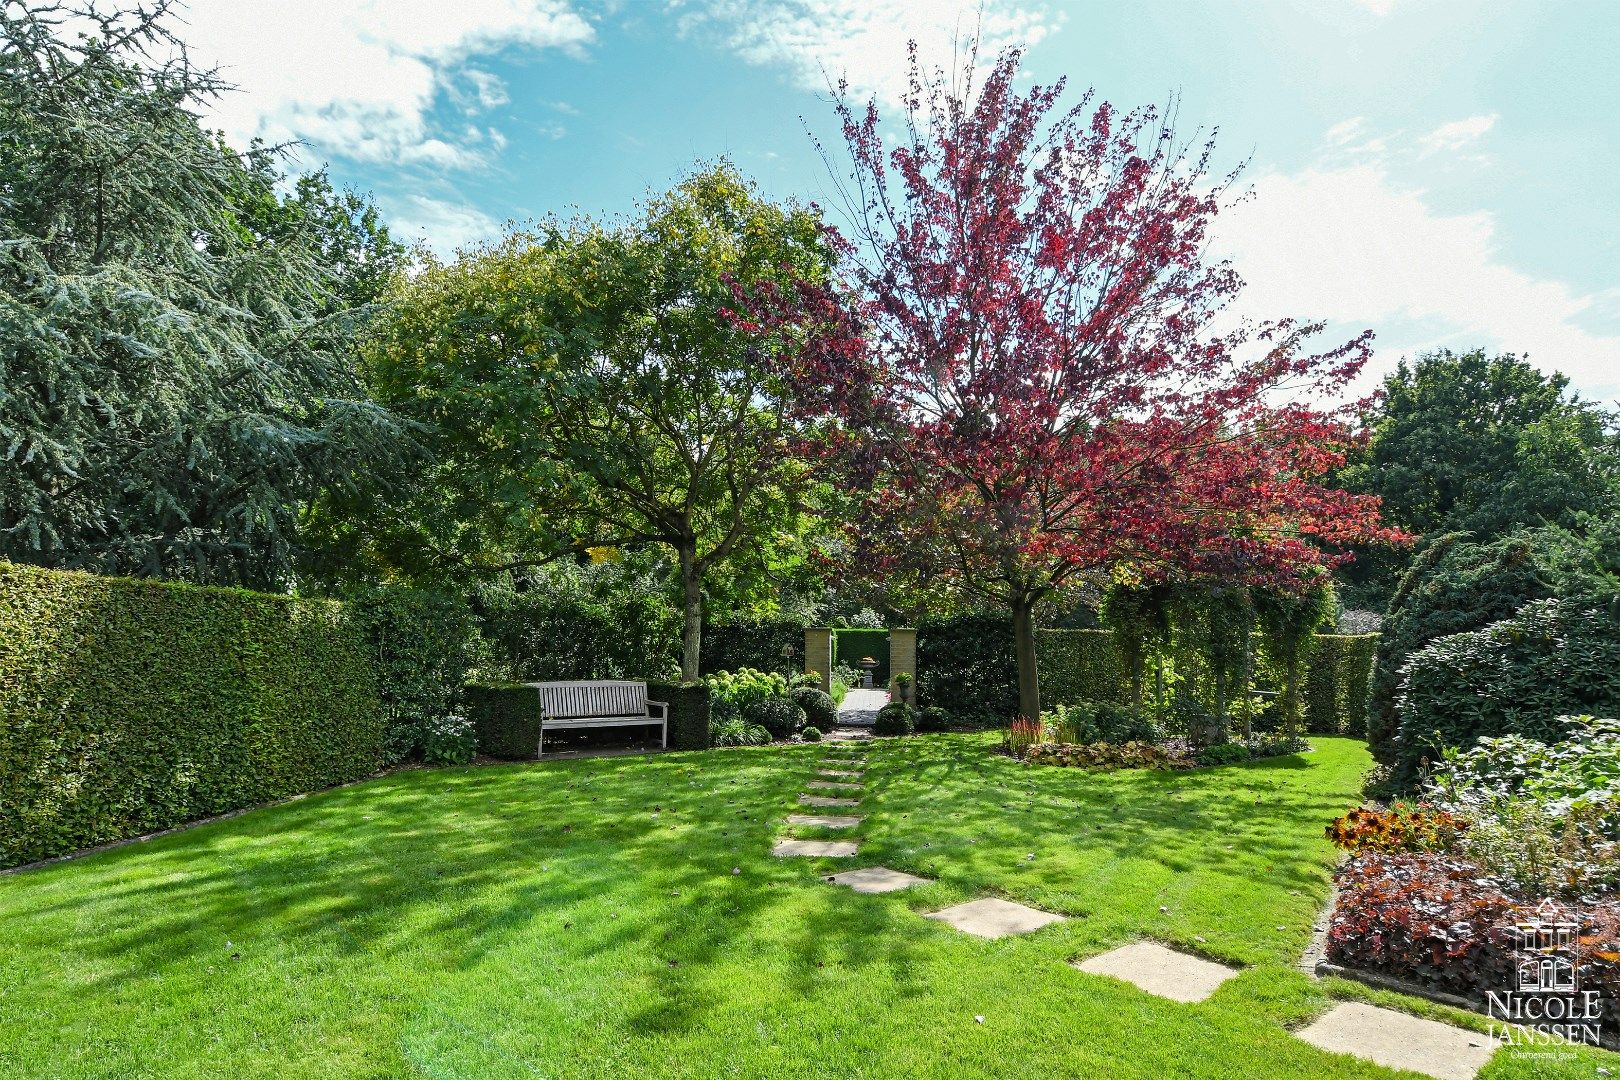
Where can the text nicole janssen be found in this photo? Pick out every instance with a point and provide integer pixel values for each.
(1531, 1019)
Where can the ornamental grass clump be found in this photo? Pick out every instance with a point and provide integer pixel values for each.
(1022, 734)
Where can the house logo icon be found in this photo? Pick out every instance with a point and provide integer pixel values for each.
(1545, 952)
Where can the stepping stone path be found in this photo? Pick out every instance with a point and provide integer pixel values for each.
(876, 879)
(1399, 1041)
(831, 821)
(827, 849)
(1150, 966)
(834, 849)
(823, 800)
(1382, 1036)
(993, 917)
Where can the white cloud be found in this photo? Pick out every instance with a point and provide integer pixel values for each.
(1350, 245)
(358, 78)
(1457, 134)
(865, 42)
(490, 90)
(445, 226)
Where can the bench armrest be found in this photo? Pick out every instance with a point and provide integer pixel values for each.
(663, 708)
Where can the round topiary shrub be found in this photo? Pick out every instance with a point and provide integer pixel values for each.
(934, 718)
(817, 705)
(896, 718)
(811, 734)
(780, 715)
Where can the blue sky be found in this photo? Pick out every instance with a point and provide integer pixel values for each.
(1443, 173)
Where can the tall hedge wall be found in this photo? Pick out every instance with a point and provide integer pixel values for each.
(132, 706)
(764, 644)
(1515, 677)
(1337, 676)
(1080, 665)
(852, 643)
(967, 665)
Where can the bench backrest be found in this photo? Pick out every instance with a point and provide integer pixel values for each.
(568, 700)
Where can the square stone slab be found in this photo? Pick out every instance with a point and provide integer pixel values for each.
(833, 785)
(994, 917)
(1399, 1041)
(1158, 970)
(830, 849)
(876, 879)
(822, 800)
(836, 772)
(831, 821)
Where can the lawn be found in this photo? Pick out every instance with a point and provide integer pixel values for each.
(622, 917)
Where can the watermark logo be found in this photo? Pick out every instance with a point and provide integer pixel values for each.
(1546, 1007)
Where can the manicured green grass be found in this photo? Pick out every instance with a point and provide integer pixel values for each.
(582, 919)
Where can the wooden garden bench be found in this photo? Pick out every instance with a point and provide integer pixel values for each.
(598, 703)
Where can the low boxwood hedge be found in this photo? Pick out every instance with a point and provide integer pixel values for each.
(506, 717)
(688, 713)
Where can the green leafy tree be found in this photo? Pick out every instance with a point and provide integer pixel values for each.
(587, 390)
(1475, 443)
(176, 337)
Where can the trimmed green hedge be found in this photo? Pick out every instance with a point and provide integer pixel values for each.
(1518, 676)
(752, 643)
(506, 717)
(967, 665)
(1337, 675)
(133, 706)
(420, 640)
(1080, 665)
(688, 713)
(850, 644)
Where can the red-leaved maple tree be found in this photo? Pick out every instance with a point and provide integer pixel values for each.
(1029, 370)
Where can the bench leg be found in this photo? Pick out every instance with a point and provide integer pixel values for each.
(541, 749)
(663, 729)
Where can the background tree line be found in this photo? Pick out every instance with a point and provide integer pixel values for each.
(220, 369)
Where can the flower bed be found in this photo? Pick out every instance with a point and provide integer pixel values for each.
(1438, 921)
(1107, 736)
(1131, 755)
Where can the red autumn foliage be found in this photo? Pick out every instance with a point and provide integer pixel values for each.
(1438, 921)
(1027, 365)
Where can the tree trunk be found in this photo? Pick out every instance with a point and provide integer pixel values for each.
(1290, 700)
(1248, 688)
(691, 609)
(1029, 679)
